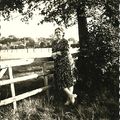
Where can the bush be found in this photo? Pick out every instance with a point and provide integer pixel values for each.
(98, 67)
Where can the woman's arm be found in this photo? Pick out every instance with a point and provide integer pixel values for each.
(54, 54)
(71, 60)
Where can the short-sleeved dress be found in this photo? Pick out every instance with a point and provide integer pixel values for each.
(62, 70)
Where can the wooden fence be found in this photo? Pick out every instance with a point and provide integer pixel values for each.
(20, 60)
(9, 64)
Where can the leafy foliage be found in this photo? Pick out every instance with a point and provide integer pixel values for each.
(98, 61)
(59, 11)
(98, 66)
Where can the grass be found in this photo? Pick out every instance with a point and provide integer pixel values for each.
(38, 108)
(35, 108)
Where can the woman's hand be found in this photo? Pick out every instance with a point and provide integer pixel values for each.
(55, 54)
(58, 53)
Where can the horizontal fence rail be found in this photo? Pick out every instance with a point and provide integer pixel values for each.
(19, 79)
(29, 53)
(12, 63)
(23, 96)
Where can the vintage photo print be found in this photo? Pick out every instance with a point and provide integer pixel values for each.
(59, 60)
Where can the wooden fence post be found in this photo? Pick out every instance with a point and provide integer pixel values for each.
(45, 80)
(12, 87)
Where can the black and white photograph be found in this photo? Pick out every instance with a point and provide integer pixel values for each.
(59, 60)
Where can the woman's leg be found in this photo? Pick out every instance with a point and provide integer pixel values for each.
(68, 94)
(67, 91)
(71, 89)
(71, 96)
(68, 99)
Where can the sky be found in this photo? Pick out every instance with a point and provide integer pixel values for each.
(19, 29)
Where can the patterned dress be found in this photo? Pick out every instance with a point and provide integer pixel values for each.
(62, 75)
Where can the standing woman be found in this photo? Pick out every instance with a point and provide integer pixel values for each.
(63, 76)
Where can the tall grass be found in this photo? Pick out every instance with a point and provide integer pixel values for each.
(35, 108)
(38, 108)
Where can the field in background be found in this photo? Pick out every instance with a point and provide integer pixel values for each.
(25, 53)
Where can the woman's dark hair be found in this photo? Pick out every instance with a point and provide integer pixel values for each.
(61, 29)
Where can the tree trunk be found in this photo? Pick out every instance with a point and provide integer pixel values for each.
(83, 40)
(82, 26)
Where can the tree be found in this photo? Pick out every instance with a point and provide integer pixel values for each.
(8, 40)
